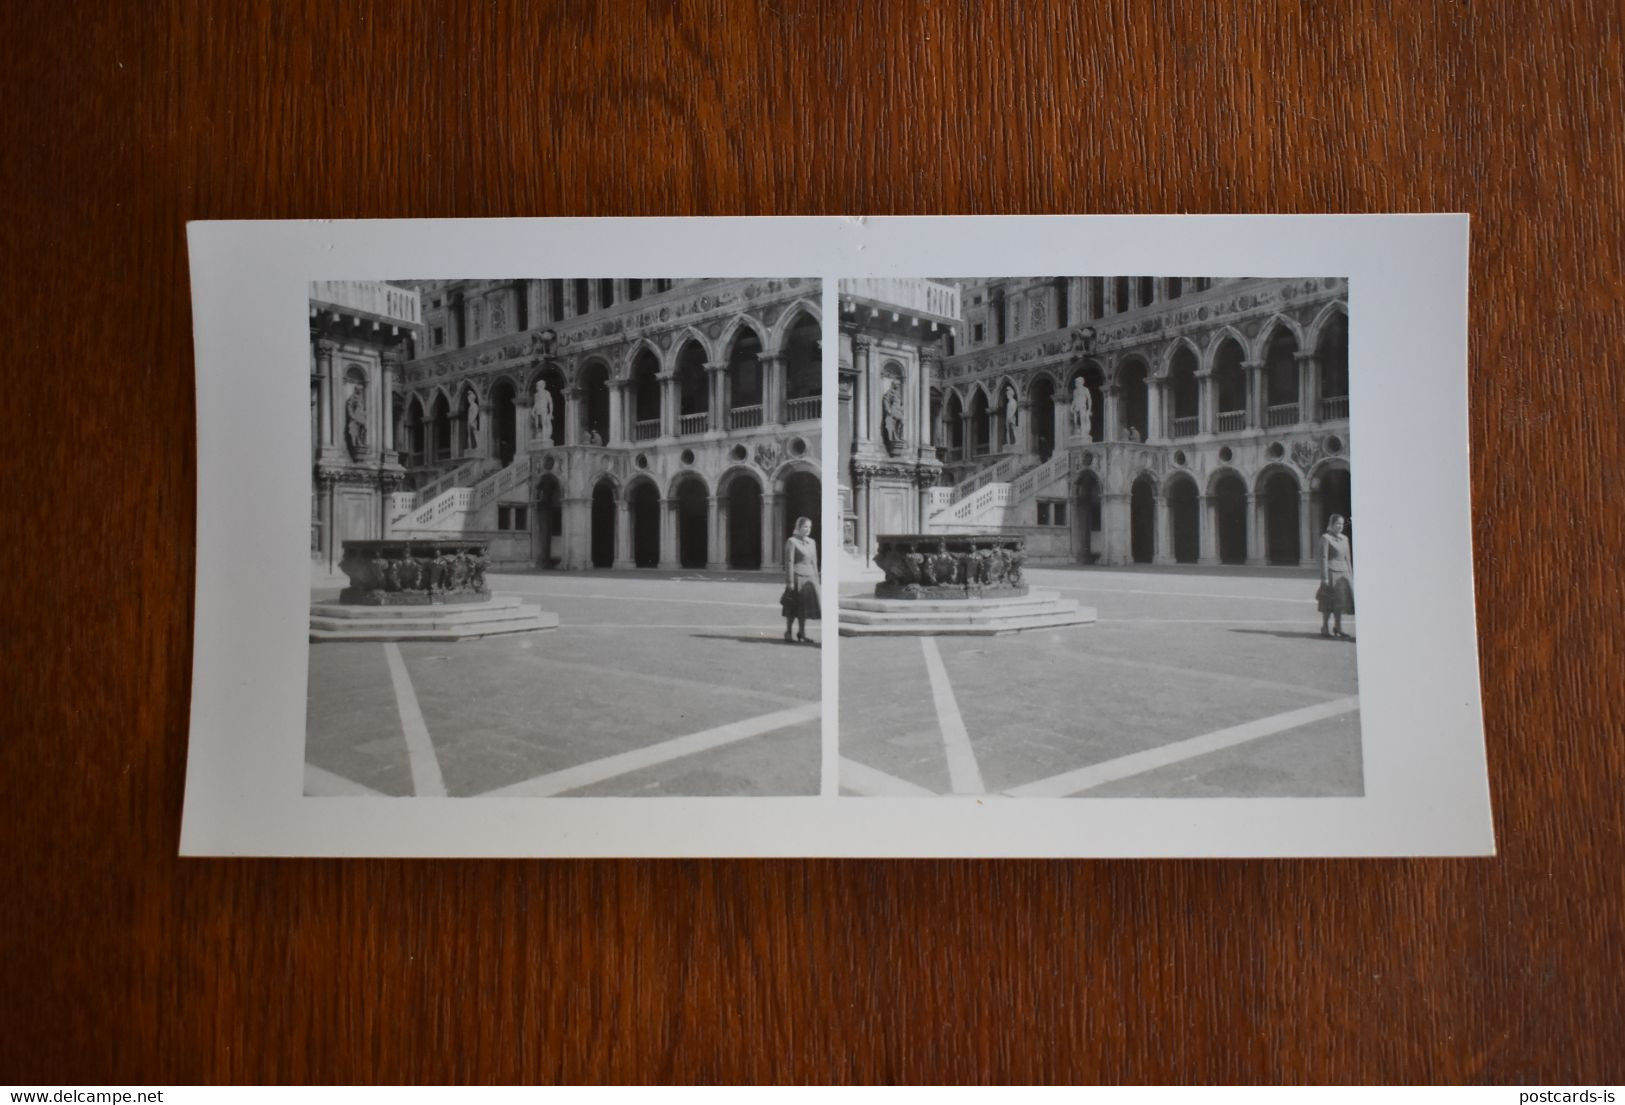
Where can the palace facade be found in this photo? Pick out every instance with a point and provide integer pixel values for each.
(594, 422)
(1109, 420)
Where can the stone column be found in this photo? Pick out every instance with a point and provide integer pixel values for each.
(1255, 530)
(669, 552)
(865, 397)
(1062, 431)
(1207, 423)
(575, 518)
(1307, 556)
(1024, 427)
(929, 367)
(1255, 393)
(623, 534)
(669, 404)
(1164, 551)
(324, 396)
(522, 427)
(1207, 515)
(1109, 429)
(572, 417)
(535, 300)
(1154, 428)
(860, 491)
(773, 390)
(717, 391)
(716, 527)
(1308, 393)
(618, 390)
(387, 368)
(1115, 529)
(772, 550)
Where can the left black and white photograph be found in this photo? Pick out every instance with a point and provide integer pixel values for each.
(565, 538)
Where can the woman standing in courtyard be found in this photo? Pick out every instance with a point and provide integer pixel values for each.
(801, 598)
(1336, 594)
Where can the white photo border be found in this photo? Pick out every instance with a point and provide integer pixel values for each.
(1426, 787)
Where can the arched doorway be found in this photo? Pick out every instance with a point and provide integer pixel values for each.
(549, 522)
(1133, 401)
(693, 391)
(1086, 518)
(644, 504)
(1333, 355)
(1230, 387)
(1042, 412)
(1184, 520)
(691, 507)
(1280, 503)
(645, 397)
(1142, 521)
(953, 427)
(603, 524)
(503, 424)
(980, 425)
(595, 404)
(440, 428)
(745, 389)
(1230, 507)
(803, 496)
(744, 523)
(803, 369)
(1184, 419)
(1281, 379)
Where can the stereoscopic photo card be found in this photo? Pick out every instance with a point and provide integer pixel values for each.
(994, 536)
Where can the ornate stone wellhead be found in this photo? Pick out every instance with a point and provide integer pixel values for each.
(414, 572)
(949, 566)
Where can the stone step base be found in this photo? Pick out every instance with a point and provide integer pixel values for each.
(331, 621)
(872, 617)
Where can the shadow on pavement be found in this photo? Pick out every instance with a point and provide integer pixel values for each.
(1305, 635)
(757, 639)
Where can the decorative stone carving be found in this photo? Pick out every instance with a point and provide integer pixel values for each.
(768, 454)
(473, 404)
(1305, 453)
(414, 572)
(949, 566)
(1082, 410)
(541, 414)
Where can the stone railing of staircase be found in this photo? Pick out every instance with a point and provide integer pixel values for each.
(466, 474)
(1002, 471)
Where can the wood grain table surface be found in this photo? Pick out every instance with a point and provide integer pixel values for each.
(122, 963)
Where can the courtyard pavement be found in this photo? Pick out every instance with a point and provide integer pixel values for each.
(655, 684)
(1193, 683)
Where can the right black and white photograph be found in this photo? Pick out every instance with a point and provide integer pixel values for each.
(1097, 538)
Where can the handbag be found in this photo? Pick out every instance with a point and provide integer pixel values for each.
(789, 602)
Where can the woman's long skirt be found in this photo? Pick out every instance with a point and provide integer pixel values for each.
(809, 602)
(1337, 596)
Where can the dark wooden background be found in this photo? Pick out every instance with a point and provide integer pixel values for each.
(122, 963)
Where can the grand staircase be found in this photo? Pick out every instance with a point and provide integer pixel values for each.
(995, 496)
(452, 502)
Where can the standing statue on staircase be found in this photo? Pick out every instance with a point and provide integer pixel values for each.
(1012, 413)
(541, 416)
(473, 420)
(1082, 410)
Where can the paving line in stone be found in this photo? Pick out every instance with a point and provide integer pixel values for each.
(1138, 763)
(1176, 594)
(320, 783)
(869, 782)
(553, 663)
(964, 775)
(625, 763)
(1219, 676)
(647, 600)
(427, 781)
